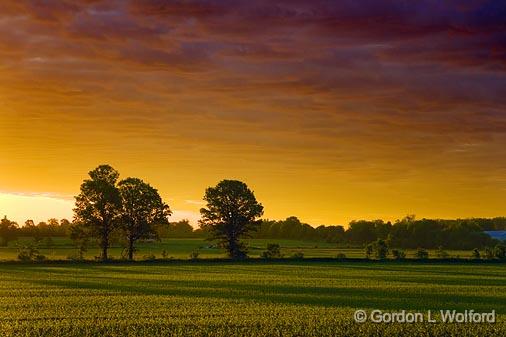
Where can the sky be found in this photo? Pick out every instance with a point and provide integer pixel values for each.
(328, 110)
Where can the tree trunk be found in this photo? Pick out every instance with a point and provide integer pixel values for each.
(105, 246)
(130, 249)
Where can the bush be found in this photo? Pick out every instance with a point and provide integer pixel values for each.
(341, 256)
(476, 254)
(273, 251)
(368, 251)
(149, 257)
(380, 249)
(165, 255)
(30, 253)
(500, 251)
(441, 253)
(489, 253)
(24, 256)
(194, 255)
(421, 254)
(398, 254)
(298, 255)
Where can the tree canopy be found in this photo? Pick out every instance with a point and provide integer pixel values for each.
(98, 206)
(230, 215)
(142, 209)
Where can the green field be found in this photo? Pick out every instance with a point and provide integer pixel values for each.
(62, 248)
(243, 299)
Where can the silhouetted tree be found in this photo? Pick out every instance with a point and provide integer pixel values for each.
(8, 231)
(231, 214)
(98, 205)
(142, 209)
(178, 229)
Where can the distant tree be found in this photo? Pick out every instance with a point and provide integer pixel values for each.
(142, 209)
(53, 222)
(8, 231)
(29, 228)
(178, 229)
(98, 205)
(65, 226)
(231, 214)
(368, 251)
(361, 232)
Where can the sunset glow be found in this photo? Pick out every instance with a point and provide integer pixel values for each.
(330, 111)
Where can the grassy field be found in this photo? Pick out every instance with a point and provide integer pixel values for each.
(243, 299)
(62, 248)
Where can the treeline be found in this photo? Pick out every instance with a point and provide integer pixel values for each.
(11, 231)
(293, 228)
(405, 233)
(63, 228)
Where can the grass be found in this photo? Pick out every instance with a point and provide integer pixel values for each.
(240, 299)
(181, 249)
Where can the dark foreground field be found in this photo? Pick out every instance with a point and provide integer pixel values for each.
(239, 299)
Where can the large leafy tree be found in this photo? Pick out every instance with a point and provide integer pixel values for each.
(98, 205)
(231, 214)
(142, 209)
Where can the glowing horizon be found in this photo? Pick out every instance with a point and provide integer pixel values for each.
(329, 111)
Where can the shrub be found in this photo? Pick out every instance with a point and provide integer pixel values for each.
(398, 254)
(24, 255)
(476, 254)
(298, 255)
(341, 256)
(441, 253)
(149, 257)
(380, 249)
(194, 255)
(489, 253)
(30, 253)
(165, 255)
(273, 251)
(421, 254)
(368, 251)
(500, 251)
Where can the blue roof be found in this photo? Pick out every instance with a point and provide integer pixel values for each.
(498, 235)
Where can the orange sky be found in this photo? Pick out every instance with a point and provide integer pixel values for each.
(328, 111)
